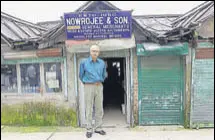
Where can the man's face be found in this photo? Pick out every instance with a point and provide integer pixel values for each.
(94, 52)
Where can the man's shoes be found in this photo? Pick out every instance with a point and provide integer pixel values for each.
(89, 134)
(102, 132)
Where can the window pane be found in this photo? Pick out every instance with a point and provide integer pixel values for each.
(8, 79)
(30, 78)
(53, 77)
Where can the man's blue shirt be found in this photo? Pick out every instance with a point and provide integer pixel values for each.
(91, 72)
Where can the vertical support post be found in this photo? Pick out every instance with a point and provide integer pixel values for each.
(188, 74)
(42, 79)
(76, 90)
(131, 89)
(76, 80)
(192, 84)
(128, 96)
(18, 73)
(65, 79)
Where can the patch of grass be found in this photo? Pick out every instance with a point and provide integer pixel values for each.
(29, 129)
(37, 114)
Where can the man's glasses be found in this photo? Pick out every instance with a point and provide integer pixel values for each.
(95, 51)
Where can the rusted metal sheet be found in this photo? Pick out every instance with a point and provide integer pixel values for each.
(205, 53)
(54, 52)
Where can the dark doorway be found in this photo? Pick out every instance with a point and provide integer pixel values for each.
(114, 84)
(113, 93)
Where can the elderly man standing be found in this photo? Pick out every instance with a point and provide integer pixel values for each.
(92, 74)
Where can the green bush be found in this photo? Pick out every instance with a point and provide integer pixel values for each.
(37, 114)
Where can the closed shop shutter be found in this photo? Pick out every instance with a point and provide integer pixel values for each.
(160, 90)
(202, 95)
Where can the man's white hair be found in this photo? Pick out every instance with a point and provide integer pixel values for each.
(95, 46)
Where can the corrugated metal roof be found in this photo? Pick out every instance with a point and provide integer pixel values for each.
(15, 29)
(49, 24)
(46, 40)
(195, 16)
(157, 24)
(53, 31)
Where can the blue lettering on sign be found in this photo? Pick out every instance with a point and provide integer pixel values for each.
(98, 25)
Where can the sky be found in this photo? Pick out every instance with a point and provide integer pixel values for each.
(39, 11)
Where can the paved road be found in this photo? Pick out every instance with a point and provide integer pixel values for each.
(116, 134)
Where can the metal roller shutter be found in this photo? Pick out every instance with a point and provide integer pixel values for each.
(202, 95)
(160, 80)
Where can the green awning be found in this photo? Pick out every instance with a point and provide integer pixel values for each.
(149, 49)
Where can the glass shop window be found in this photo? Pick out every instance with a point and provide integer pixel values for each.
(8, 79)
(53, 77)
(30, 78)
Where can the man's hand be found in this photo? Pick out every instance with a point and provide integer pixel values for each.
(98, 83)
